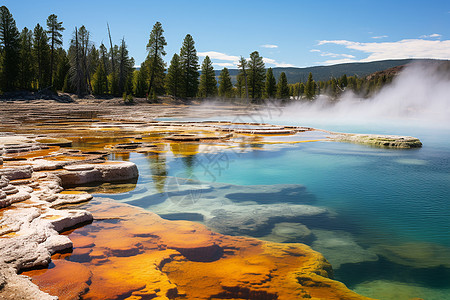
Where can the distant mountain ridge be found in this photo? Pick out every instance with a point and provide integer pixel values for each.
(321, 73)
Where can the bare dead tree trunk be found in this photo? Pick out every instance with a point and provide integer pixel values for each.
(112, 50)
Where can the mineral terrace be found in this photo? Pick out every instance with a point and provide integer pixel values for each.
(119, 251)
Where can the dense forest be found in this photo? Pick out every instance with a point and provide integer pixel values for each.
(35, 60)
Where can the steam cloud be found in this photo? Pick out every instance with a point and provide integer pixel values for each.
(419, 96)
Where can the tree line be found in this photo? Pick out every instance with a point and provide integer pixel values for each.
(35, 60)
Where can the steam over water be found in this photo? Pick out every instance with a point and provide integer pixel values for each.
(420, 95)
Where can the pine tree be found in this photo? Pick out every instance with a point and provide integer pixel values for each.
(189, 65)
(9, 51)
(93, 60)
(62, 69)
(240, 85)
(310, 87)
(100, 81)
(25, 60)
(41, 52)
(104, 59)
(125, 69)
(225, 86)
(256, 74)
(54, 29)
(282, 87)
(208, 83)
(140, 87)
(156, 63)
(343, 82)
(271, 84)
(243, 76)
(79, 69)
(174, 79)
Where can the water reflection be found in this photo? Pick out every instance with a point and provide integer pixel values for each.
(158, 168)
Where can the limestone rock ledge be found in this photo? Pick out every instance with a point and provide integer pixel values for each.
(389, 141)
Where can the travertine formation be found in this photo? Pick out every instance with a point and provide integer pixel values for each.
(153, 258)
(30, 190)
(388, 141)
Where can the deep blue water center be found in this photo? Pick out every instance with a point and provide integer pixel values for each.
(388, 231)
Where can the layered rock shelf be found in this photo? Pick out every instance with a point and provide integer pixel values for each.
(42, 223)
(154, 258)
(388, 141)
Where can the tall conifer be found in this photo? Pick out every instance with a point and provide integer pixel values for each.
(256, 74)
(156, 65)
(9, 51)
(54, 31)
(208, 83)
(174, 79)
(225, 86)
(271, 84)
(189, 65)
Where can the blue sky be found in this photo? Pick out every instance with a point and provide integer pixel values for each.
(286, 33)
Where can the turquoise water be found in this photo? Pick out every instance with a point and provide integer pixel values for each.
(386, 229)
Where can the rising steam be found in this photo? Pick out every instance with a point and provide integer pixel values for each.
(420, 96)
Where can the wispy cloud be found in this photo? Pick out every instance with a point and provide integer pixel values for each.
(329, 54)
(224, 64)
(408, 48)
(434, 35)
(271, 61)
(219, 56)
(380, 37)
(270, 46)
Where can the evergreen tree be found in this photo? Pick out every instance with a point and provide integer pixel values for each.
(240, 85)
(271, 84)
(140, 81)
(79, 69)
(310, 87)
(208, 83)
(343, 82)
(104, 60)
(243, 76)
(41, 52)
(100, 81)
(125, 69)
(156, 64)
(225, 86)
(25, 60)
(9, 51)
(54, 29)
(189, 66)
(174, 78)
(256, 74)
(62, 69)
(282, 87)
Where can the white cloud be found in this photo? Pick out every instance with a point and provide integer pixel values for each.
(434, 35)
(269, 46)
(219, 56)
(233, 61)
(271, 61)
(224, 64)
(331, 54)
(380, 37)
(408, 48)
